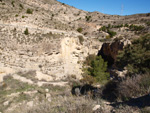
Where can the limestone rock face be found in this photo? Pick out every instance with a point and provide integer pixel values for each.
(53, 53)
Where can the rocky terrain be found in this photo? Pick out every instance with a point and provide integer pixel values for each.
(43, 43)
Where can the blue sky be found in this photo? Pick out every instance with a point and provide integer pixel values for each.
(111, 6)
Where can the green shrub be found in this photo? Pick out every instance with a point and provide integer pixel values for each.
(88, 18)
(26, 32)
(97, 68)
(136, 28)
(111, 33)
(109, 26)
(81, 39)
(80, 30)
(126, 25)
(148, 23)
(13, 3)
(118, 26)
(103, 29)
(21, 6)
(136, 57)
(106, 29)
(29, 11)
(108, 37)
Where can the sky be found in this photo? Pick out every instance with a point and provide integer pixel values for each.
(117, 7)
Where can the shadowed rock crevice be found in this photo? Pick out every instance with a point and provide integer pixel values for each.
(109, 51)
(140, 102)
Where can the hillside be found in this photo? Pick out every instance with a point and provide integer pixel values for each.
(43, 46)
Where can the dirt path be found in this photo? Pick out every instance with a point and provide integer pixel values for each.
(43, 29)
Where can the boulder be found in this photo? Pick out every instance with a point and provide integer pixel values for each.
(96, 107)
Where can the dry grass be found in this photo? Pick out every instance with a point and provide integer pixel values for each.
(134, 87)
(60, 105)
(126, 109)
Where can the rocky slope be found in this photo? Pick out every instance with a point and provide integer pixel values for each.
(52, 44)
(43, 42)
(48, 47)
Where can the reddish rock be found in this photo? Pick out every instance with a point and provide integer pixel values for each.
(109, 51)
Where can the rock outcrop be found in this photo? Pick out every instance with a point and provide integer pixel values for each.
(109, 51)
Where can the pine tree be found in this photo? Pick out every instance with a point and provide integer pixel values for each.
(98, 69)
(136, 57)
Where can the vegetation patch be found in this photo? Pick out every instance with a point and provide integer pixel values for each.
(88, 18)
(29, 11)
(21, 6)
(136, 86)
(136, 57)
(26, 32)
(81, 39)
(96, 68)
(13, 3)
(80, 30)
(107, 29)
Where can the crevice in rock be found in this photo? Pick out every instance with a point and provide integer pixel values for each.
(109, 52)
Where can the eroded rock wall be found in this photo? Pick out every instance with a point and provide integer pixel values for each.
(109, 51)
(54, 53)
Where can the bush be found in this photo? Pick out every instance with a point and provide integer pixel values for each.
(148, 14)
(109, 26)
(13, 3)
(29, 11)
(136, 28)
(118, 26)
(126, 25)
(103, 29)
(87, 79)
(134, 87)
(108, 37)
(80, 30)
(98, 69)
(81, 39)
(111, 33)
(21, 6)
(89, 59)
(136, 57)
(106, 29)
(126, 89)
(88, 18)
(148, 23)
(26, 32)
